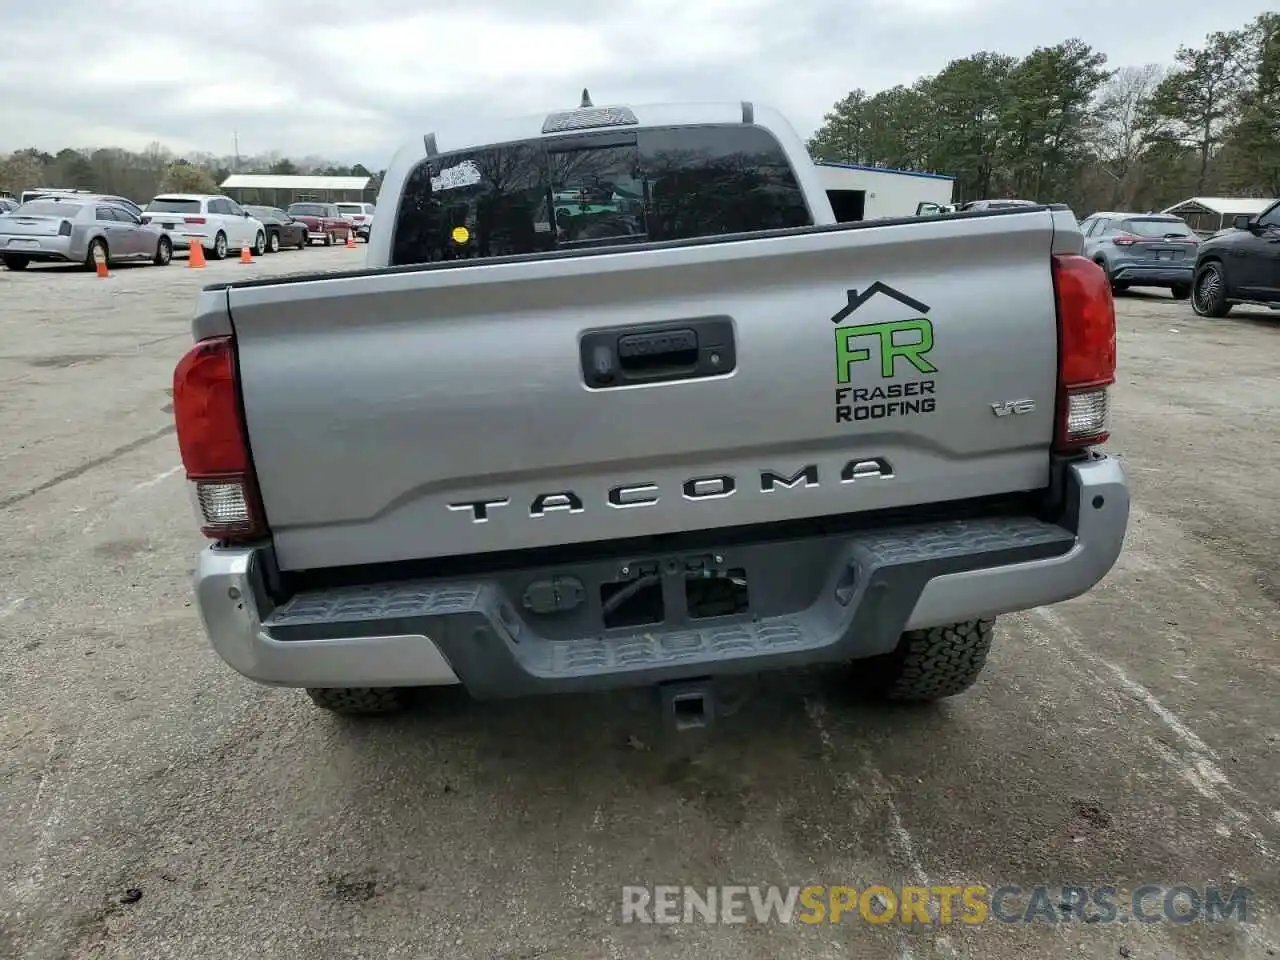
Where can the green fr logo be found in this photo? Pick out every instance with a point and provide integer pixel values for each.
(913, 351)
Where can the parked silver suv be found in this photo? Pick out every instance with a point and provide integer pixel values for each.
(1142, 250)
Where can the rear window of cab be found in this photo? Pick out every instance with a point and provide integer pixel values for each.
(597, 189)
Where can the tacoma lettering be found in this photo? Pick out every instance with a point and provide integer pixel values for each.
(711, 487)
(633, 495)
(565, 500)
(707, 488)
(808, 475)
(479, 509)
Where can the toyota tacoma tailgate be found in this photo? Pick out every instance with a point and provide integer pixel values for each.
(470, 408)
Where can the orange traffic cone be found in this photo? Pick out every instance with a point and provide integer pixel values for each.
(102, 269)
(351, 240)
(245, 255)
(196, 258)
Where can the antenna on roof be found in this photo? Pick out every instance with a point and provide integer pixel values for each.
(586, 100)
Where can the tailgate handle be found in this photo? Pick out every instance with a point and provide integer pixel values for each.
(658, 352)
(650, 352)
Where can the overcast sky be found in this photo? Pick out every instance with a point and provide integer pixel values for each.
(351, 79)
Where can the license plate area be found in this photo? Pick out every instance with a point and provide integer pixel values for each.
(680, 589)
(1164, 255)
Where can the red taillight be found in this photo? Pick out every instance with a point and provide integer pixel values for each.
(211, 440)
(193, 220)
(1125, 240)
(1086, 351)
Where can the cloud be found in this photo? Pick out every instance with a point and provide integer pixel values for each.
(352, 81)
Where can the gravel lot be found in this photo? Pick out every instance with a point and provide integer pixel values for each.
(1128, 737)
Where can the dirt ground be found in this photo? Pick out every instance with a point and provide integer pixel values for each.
(153, 804)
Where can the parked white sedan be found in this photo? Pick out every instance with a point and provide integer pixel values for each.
(218, 223)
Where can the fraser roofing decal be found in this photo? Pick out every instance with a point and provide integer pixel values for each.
(898, 348)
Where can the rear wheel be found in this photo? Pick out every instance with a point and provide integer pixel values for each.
(304, 241)
(98, 253)
(328, 239)
(15, 261)
(164, 252)
(1209, 292)
(273, 241)
(219, 246)
(360, 701)
(1180, 291)
(259, 244)
(935, 663)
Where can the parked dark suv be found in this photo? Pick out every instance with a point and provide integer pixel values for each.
(1241, 265)
(1142, 250)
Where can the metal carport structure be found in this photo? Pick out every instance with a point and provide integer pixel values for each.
(1207, 215)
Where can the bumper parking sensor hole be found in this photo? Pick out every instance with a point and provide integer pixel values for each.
(1098, 501)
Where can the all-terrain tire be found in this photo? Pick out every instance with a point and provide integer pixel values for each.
(359, 701)
(938, 662)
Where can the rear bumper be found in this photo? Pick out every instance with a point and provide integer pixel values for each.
(42, 248)
(1153, 274)
(182, 239)
(865, 590)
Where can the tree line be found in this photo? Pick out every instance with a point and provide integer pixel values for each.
(1060, 125)
(141, 175)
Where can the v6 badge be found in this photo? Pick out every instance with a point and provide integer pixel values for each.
(1013, 406)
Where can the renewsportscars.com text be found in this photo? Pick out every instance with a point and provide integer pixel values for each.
(937, 905)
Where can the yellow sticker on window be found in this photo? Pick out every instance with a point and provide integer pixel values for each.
(461, 235)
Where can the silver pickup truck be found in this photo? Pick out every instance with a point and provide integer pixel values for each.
(616, 402)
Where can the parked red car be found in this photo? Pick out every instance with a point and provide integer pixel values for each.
(324, 222)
